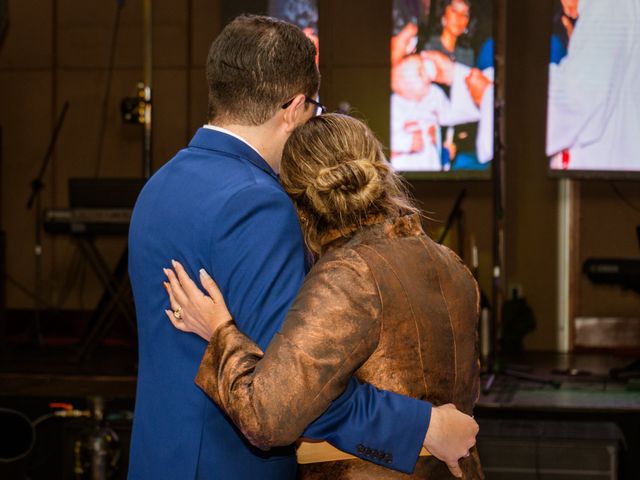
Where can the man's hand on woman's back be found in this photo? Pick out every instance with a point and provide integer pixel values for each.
(450, 436)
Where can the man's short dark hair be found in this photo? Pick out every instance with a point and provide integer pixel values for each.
(255, 65)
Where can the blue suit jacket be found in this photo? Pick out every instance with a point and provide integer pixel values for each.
(217, 204)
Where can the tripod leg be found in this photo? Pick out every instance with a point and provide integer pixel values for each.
(531, 378)
(100, 329)
(489, 383)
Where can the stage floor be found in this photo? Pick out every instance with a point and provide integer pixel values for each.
(583, 381)
(51, 371)
(561, 382)
(33, 377)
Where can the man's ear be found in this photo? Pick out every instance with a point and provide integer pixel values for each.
(294, 113)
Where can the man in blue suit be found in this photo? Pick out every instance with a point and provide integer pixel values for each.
(218, 204)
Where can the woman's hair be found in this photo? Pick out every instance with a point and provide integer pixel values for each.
(335, 170)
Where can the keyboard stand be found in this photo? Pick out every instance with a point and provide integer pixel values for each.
(115, 300)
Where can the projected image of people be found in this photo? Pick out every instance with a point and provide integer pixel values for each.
(594, 77)
(442, 85)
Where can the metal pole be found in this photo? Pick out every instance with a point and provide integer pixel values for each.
(566, 221)
(147, 157)
(498, 175)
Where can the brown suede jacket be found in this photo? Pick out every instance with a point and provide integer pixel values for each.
(386, 304)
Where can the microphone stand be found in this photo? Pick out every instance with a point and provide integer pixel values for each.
(37, 186)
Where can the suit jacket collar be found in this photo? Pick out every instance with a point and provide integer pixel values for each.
(221, 142)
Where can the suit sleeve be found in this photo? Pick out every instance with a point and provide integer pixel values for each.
(266, 275)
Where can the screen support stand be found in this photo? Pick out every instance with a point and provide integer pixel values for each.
(495, 364)
(566, 255)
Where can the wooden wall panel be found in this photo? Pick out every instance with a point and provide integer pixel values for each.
(84, 34)
(366, 89)
(78, 149)
(354, 33)
(206, 22)
(28, 41)
(170, 34)
(198, 111)
(608, 229)
(169, 114)
(25, 116)
(531, 195)
(32, 83)
(354, 62)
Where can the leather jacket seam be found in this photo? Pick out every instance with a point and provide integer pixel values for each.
(455, 346)
(409, 303)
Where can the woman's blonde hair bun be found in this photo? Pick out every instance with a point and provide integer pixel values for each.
(335, 170)
(348, 187)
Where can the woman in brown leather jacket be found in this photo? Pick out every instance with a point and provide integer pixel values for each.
(383, 302)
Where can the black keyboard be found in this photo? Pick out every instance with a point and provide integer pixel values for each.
(624, 272)
(87, 221)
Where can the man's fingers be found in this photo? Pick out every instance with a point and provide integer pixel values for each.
(190, 288)
(450, 436)
(455, 470)
(210, 286)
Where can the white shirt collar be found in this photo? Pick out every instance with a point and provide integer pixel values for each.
(229, 132)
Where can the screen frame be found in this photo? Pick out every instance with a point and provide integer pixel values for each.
(591, 174)
(459, 175)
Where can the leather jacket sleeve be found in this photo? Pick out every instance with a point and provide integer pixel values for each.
(331, 330)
